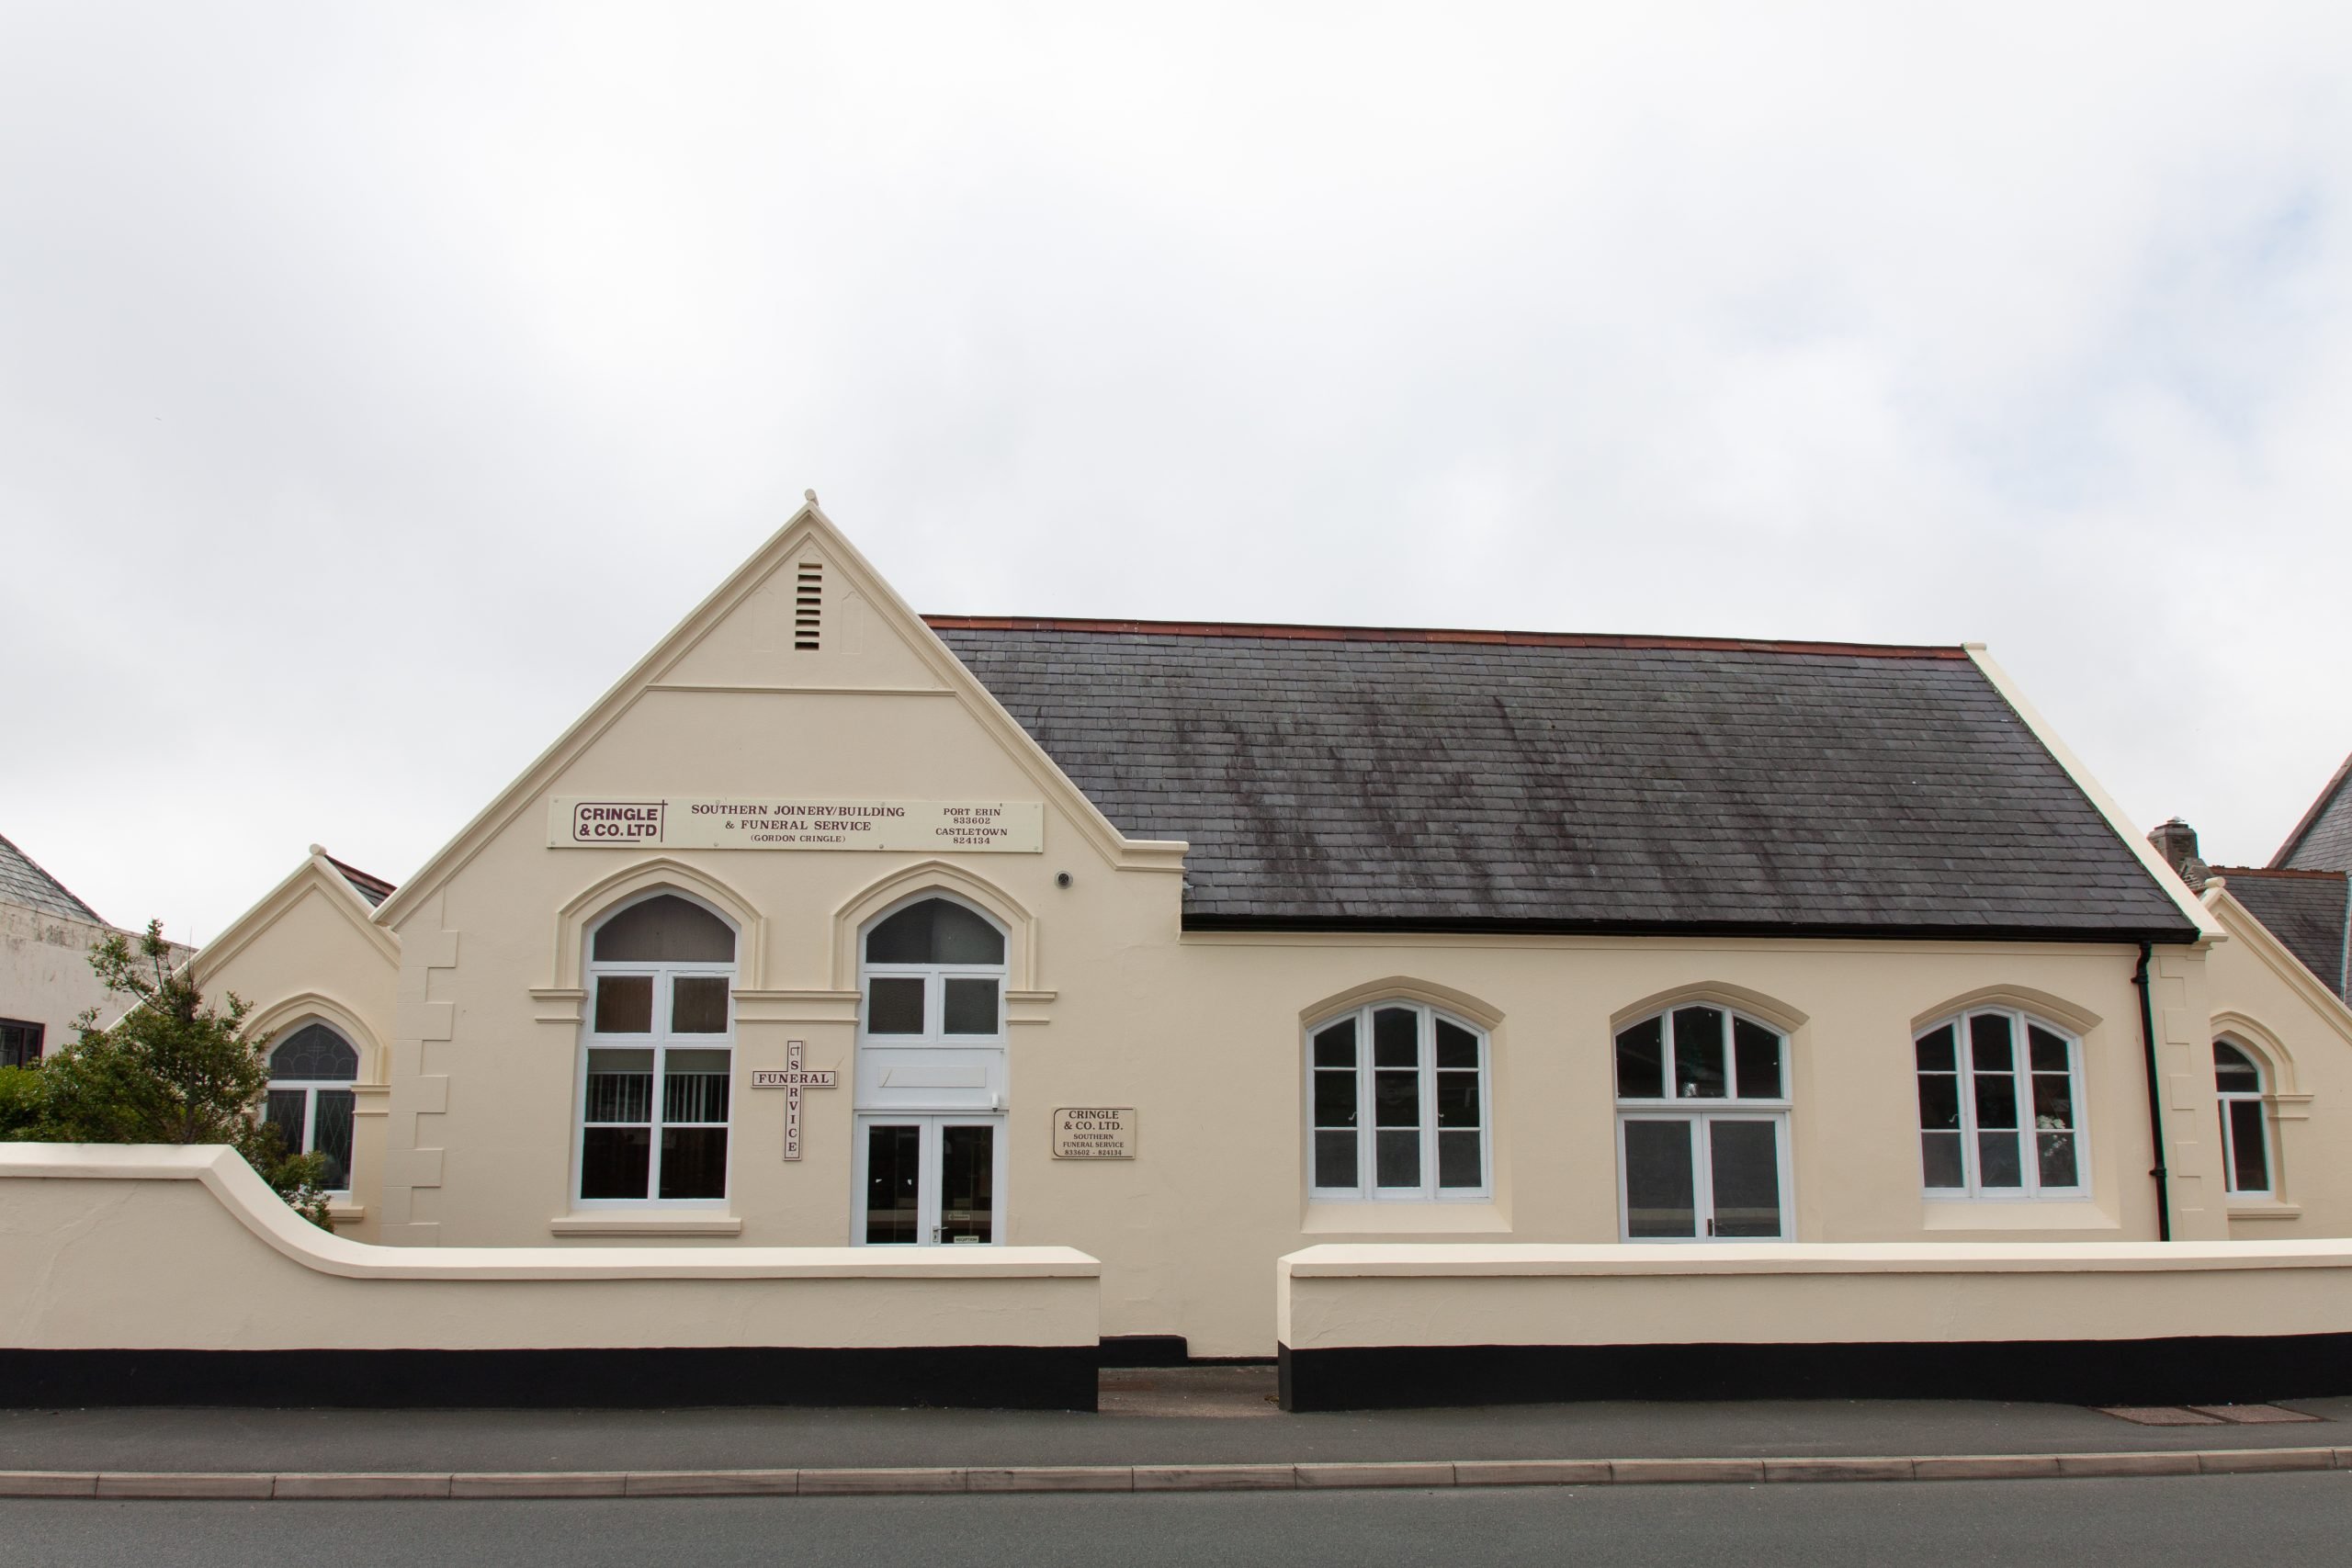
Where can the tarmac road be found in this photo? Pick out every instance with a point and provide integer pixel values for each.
(2195, 1522)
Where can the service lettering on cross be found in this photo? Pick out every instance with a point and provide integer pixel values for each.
(792, 1079)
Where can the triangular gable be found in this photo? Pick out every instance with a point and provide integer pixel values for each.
(752, 621)
(316, 873)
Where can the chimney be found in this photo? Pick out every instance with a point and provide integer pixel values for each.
(2177, 842)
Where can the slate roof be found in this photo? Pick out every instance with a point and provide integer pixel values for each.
(23, 883)
(2306, 910)
(1336, 777)
(2322, 839)
(371, 888)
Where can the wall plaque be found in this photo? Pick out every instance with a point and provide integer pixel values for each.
(1095, 1132)
(792, 1078)
(620, 822)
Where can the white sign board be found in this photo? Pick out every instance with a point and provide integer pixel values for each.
(1097, 1132)
(617, 822)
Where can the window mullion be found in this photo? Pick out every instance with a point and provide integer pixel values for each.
(1426, 1091)
(928, 1181)
(1367, 1141)
(2028, 1122)
(1965, 1059)
(1703, 1180)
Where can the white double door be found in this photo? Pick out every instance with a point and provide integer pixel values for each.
(1708, 1176)
(930, 1179)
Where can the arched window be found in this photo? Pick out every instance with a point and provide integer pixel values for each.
(1397, 1107)
(310, 1098)
(930, 1076)
(658, 1062)
(2245, 1121)
(2000, 1096)
(1702, 1127)
(935, 970)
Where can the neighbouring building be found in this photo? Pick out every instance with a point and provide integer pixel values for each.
(2281, 1025)
(45, 982)
(1190, 946)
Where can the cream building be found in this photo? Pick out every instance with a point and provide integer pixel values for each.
(1192, 946)
(45, 982)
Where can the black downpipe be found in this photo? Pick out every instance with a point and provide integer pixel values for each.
(2156, 1097)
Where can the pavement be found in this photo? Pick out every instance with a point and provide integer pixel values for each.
(2193, 1522)
(1174, 1417)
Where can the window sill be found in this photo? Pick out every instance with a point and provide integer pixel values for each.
(1374, 1217)
(342, 1214)
(2000, 1215)
(2265, 1210)
(623, 1224)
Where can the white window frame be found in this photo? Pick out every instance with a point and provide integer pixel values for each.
(310, 1089)
(1428, 1191)
(990, 1055)
(932, 1123)
(2261, 1096)
(1702, 1169)
(935, 977)
(661, 1041)
(1700, 1110)
(2022, 1050)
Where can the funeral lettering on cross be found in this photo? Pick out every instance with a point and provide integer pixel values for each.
(792, 1079)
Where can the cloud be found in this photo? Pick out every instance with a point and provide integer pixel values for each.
(374, 387)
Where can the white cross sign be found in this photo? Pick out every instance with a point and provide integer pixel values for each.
(792, 1078)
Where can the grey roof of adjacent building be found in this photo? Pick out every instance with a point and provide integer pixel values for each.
(2322, 839)
(371, 887)
(1336, 777)
(24, 884)
(2308, 911)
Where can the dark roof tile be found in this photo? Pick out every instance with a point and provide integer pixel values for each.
(1438, 779)
(2306, 910)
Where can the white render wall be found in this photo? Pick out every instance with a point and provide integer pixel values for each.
(1339, 1296)
(45, 974)
(86, 1231)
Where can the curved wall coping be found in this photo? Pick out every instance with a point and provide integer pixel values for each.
(245, 1195)
(1533, 1260)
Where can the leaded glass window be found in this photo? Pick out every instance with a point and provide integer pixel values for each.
(310, 1099)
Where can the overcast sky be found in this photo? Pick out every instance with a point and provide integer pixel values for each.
(378, 383)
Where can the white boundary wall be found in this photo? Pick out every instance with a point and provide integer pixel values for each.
(1336, 1297)
(148, 1247)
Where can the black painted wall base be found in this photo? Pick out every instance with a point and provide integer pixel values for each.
(988, 1377)
(1146, 1350)
(2079, 1371)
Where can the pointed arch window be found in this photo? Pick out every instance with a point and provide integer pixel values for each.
(930, 1076)
(310, 1098)
(657, 1068)
(934, 970)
